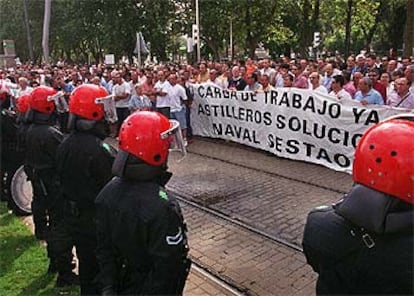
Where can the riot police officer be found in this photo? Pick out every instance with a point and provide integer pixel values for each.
(22, 105)
(42, 141)
(23, 124)
(142, 243)
(84, 164)
(364, 243)
(11, 158)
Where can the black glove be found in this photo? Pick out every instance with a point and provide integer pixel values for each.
(108, 291)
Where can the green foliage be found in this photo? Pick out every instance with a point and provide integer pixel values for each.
(86, 30)
(23, 261)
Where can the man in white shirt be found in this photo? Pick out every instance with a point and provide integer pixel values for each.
(337, 86)
(121, 91)
(162, 91)
(177, 98)
(402, 97)
(213, 78)
(24, 87)
(409, 74)
(270, 72)
(315, 83)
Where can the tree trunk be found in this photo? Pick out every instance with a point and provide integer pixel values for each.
(315, 17)
(46, 24)
(409, 29)
(213, 47)
(348, 27)
(305, 36)
(371, 31)
(29, 34)
(248, 21)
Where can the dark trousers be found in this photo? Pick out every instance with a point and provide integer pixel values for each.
(166, 111)
(122, 114)
(47, 209)
(82, 228)
(187, 117)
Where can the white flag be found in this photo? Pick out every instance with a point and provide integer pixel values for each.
(140, 45)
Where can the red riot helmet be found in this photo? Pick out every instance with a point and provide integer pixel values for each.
(147, 135)
(384, 158)
(39, 99)
(23, 103)
(83, 102)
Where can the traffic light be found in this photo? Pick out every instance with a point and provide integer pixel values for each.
(316, 39)
(195, 34)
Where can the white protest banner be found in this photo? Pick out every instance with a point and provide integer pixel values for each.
(109, 59)
(288, 122)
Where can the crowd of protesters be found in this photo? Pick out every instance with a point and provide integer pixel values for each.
(367, 78)
(167, 89)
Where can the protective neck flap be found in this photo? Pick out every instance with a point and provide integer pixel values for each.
(37, 117)
(97, 128)
(375, 211)
(130, 167)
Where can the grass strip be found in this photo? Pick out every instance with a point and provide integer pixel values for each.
(23, 261)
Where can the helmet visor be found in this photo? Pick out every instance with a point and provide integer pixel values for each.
(109, 108)
(60, 102)
(177, 140)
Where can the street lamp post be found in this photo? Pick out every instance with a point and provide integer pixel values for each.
(29, 35)
(231, 39)
(45, 38)
(198, 30)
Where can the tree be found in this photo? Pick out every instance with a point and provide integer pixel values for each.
(348, 26)
(85, 30)
(409, 29)
(214, 27)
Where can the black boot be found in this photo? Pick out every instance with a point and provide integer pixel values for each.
(40, 221)
(41, 232)
(68, 279)
(52, 267)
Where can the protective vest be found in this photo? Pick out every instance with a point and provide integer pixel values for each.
(142, 242)
(362, 245)
(84, 164)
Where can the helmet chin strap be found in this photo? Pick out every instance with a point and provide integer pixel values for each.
(84, 124)
(128, 166)
(42, 118)
(97, 128)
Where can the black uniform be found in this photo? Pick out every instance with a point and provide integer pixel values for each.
(142, 243)
(23, 126)
(42, 141)
(84, 164)
(11, 157)
(362, 245)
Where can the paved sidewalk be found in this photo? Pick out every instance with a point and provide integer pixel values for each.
(270, 193)
(259, 265)
(275, 196)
